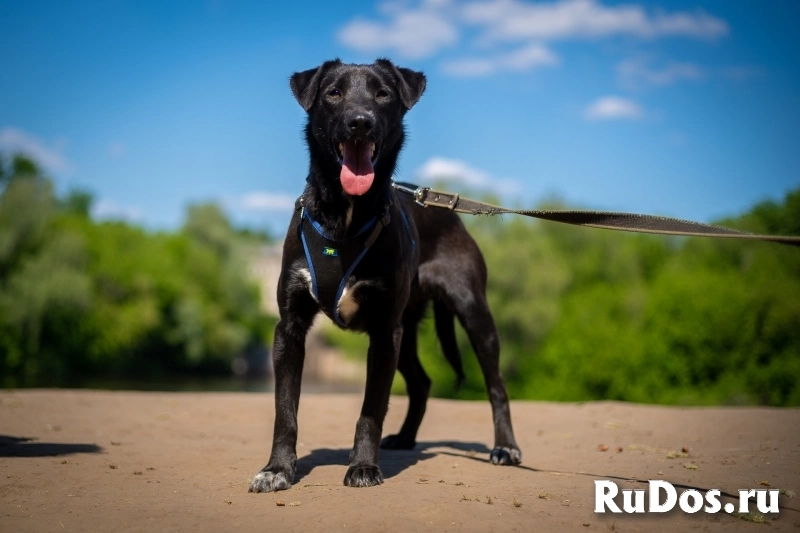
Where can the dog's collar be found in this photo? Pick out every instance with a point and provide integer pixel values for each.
(384, 218)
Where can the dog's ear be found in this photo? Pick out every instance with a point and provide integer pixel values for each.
(306, 84)
(410, 83)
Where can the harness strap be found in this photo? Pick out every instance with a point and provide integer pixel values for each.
(331, 262)
(382, 223)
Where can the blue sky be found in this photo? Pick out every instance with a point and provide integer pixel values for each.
(679, 108)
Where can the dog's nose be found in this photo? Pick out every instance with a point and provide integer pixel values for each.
(359, 123)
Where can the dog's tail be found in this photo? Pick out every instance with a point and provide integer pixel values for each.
(444, 319)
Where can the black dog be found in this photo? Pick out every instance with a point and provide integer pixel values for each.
(371, 259)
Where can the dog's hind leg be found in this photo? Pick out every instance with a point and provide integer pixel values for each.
(475, 317)
(382, 357)
(418, 386)
(444, 320)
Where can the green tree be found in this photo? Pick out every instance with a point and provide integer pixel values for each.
(80, 297)
(43, 286)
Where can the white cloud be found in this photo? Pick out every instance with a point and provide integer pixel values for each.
(456, 171)
(742, 72)
(13, 140)
(116, 149)
(110, 210)
(411, 34)
(635, 72)
(565, 19)
(421, 29)
(521, 60)
(639, 71)
(267, 201)
(612, 108)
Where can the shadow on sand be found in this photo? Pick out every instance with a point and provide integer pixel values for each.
(31, 447)
(392, 462)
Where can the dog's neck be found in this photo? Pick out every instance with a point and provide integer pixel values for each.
(339, 213)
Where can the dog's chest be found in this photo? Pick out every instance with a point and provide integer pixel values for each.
(347, 304)
(330, 266)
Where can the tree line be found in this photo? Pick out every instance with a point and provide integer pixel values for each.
(583, 314)
(80, 297)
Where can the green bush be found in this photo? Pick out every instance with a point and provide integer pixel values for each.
(79, 297)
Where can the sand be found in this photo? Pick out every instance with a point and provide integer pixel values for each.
(133, 461)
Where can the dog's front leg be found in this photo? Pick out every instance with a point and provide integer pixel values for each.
(384, 349)
(287, 359)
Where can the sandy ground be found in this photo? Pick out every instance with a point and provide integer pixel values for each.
(127, 461)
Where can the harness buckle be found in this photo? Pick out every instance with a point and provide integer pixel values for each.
(420, 194)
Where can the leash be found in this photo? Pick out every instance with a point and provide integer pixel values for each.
(426, 197)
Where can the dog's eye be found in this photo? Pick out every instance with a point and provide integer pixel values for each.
(381, 94)
(334, 93)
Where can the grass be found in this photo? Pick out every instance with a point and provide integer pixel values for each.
(756, 518)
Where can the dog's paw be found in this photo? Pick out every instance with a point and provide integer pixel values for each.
(503, 455)
(397, 442)
(363, 476)
(270, 481)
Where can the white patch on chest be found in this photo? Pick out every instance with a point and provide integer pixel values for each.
(348, 305)
(306, 275)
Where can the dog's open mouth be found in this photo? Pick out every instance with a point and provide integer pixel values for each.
(358, 165)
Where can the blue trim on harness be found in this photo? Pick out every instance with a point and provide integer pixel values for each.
(318, 227)
(308, 260)
(408, 227)
(342, 285)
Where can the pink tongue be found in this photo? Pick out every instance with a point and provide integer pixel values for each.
(357, 172)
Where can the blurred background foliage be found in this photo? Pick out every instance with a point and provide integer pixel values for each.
(80, 297)
(583, 314)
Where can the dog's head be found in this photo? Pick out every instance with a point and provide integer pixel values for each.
(355, 119)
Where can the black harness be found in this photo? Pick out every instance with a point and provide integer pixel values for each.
(331, 262)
